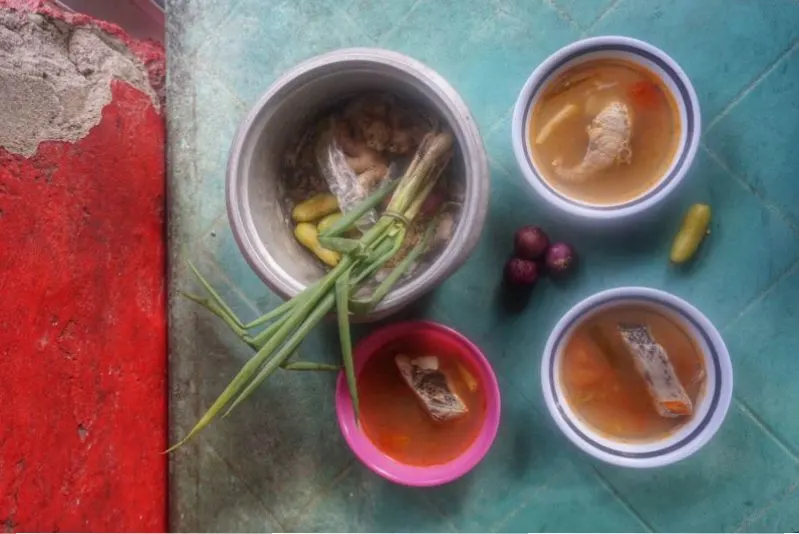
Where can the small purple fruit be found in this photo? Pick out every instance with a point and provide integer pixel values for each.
(560, 258)
(519, 272)
(530, 242)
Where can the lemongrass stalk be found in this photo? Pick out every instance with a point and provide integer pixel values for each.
(219, 308)
(348, 220)
(311, 366)
(343, 313)
(287, 349)
(210, 305)
(241, 378)
(302, 313)
(245, 375)
(341, 244)
(430, 152)
(364, 306)
(277, 312)
(215, 296)
(263, 336)
(416, 204)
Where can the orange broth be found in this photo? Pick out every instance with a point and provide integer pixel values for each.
(396, 423)
(602, 385)
(589, 86)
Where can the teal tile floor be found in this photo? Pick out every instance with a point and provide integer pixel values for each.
(280, 464)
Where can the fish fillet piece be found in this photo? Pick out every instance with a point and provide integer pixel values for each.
(653, 364)
(608, 142)
(431, 386)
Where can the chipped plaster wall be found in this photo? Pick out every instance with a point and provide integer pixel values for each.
(82, 261)
(55, 79)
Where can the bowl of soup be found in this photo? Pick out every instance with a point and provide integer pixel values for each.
(637, 377)
(606, 128)
(429, 404)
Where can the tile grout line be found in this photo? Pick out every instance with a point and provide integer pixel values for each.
(620, 498)
(247, 487)
(428, 502)
(498, 525)
(234, 288)
(760, 512)
(214, 33)
(234, 4)
(208, 229)
(564, 16)
(344, 13)
(608, 10)
(750, 188)
(400, 21)
(752, 85)
(314, 498)
(225, 279)
(790, 270)
(603, 481)
(767, 429)
(505, 115)
(224, 86)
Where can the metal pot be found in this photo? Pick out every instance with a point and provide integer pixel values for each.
(253, 205)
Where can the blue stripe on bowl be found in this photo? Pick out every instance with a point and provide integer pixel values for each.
(665, 450)
(689, 127)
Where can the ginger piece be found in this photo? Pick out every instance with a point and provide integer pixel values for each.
(376, 133)
(368, 179)
(342, 133)
(468, 378)
(369, 118)
(408, 128)
(374, 105)
(365, 160)
(360, 157)
(565, 113)
(401, 143)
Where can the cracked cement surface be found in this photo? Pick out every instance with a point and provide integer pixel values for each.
(56, 78)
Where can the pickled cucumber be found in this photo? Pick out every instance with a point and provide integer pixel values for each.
(692, 232)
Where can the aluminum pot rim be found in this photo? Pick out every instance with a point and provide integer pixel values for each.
(475, 206)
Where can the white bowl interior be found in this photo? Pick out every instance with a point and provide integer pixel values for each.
(633, 50)
(648, 64)
(710, 409)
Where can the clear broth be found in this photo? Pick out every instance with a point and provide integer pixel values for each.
(606, 391)
(655, 129)
(394, 420)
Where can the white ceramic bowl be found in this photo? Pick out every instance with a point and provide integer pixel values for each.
(632, 50)
(710, 408)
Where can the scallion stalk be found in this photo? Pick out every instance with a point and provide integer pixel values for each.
(293, 320)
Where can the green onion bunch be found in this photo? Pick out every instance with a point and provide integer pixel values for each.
(285, 327)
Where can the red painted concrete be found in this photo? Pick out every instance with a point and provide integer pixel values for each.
(82, 326)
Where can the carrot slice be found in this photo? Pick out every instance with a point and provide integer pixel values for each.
(644, 94)
(677, 407)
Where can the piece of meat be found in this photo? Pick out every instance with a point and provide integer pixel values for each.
(653, 364)
(431, 386)
(608, 143)
(369, 180)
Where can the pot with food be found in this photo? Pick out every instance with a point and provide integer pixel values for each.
(356, 184)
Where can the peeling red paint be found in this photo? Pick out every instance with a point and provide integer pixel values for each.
(82, 324)
(150, 53)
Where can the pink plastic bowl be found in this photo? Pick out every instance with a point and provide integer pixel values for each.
(386, 466)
